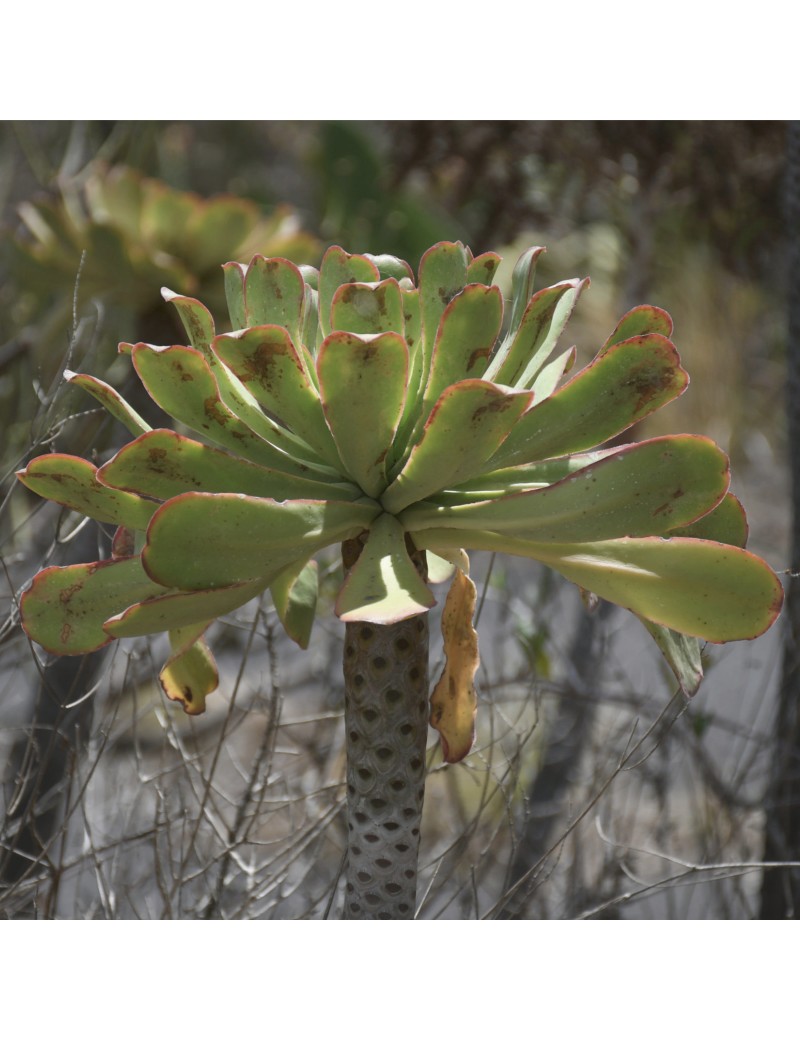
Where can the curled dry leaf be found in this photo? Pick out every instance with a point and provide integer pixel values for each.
(454, 702)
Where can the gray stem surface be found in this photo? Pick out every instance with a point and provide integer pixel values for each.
(386, 727)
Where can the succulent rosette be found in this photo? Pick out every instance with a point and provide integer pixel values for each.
(351, 404)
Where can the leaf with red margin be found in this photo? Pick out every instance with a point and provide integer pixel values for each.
(442, 275)
(639, 322)
(72, 482)
(274, 294)
(519, 361)
(114, 403)
(467, 333)
(175, 608)
(180, 380)
(642, 489)
(483, 268)
(363, 385)
(267, 363)
(200, 541)
(196, 319)
(727, 523)
(163, 464)
(368, 309)
(468, 423)
(629, 381)
(65, 608)
(706, 589)
(339, 268)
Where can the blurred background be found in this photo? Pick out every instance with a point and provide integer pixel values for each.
(592, 790)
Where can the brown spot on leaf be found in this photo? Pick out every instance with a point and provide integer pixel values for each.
(66, 632)
(647, 382)
(185, 377)
(214, 410)
(261, 365)
(476, 355)
(497, 404)
(157, 457)
(65, 595)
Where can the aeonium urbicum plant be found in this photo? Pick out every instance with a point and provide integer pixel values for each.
(410, 423)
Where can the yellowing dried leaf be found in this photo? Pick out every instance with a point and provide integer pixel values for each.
(454, 702)
(190, 674)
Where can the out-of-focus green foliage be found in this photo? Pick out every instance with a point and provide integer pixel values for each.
(362, 201)
(106, 244)
(137, 234)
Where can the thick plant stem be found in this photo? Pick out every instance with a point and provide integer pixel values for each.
(386, 726)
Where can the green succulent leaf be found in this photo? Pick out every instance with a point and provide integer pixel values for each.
(112, 401)
(642, 489)
(439, 569)
(294, 594)
(174, 609)
(522, 281)
(196, 319)
(180, 380)
(363, 385)
(631, 380)
(483, 268)
(641, 321)
(162, 464)
(413, 331)
(383, 586)
(391, 266)
(412, 323)
(234, 293)
(467, 333)
(274, 294)
(705, 589)
(468, 423)
(340, 268)
(265, 360)
(65, 607)
(682, 654)
(203, 541)
(308, 335)
(726, 523)
(73, 482)
(368, 309)
(442, 275)
(551, 375)
(519, 360)
(529, 477)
